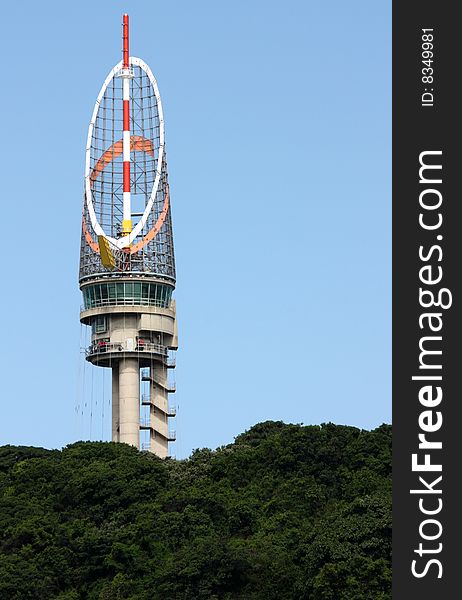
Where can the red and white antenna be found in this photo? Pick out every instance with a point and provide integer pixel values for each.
(126, 75)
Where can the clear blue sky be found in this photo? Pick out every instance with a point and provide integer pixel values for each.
(278, 125)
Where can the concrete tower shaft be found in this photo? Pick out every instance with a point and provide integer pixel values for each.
(135, 341)
(127, 264)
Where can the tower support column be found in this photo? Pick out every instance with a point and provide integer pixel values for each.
(129, 401)
(115, 404)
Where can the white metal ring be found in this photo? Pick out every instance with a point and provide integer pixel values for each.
(126, 240)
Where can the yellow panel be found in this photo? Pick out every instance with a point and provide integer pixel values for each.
(107, 257)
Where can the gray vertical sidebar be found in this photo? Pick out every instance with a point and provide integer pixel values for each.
(427, 273)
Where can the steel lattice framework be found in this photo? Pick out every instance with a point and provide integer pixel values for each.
(147, 247)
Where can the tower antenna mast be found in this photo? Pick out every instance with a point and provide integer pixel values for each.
(126, 76)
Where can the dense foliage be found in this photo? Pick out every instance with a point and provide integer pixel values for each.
(286, 512)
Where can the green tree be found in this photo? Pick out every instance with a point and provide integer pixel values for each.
(285, 512)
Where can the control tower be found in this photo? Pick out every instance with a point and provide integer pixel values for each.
(127, 264)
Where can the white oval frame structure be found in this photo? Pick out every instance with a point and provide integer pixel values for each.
(128, 239)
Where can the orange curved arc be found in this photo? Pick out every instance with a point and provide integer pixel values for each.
(137, 144)
(90, 241)
(151, 234)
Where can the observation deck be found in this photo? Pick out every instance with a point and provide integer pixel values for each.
(126, 296)
(105, 353)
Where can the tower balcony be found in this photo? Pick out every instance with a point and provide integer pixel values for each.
(146, 447)
(171, 409)
(103, 352)
(170, 436)
(169, 386)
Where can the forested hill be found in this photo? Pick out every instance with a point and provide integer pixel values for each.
(286, 512)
